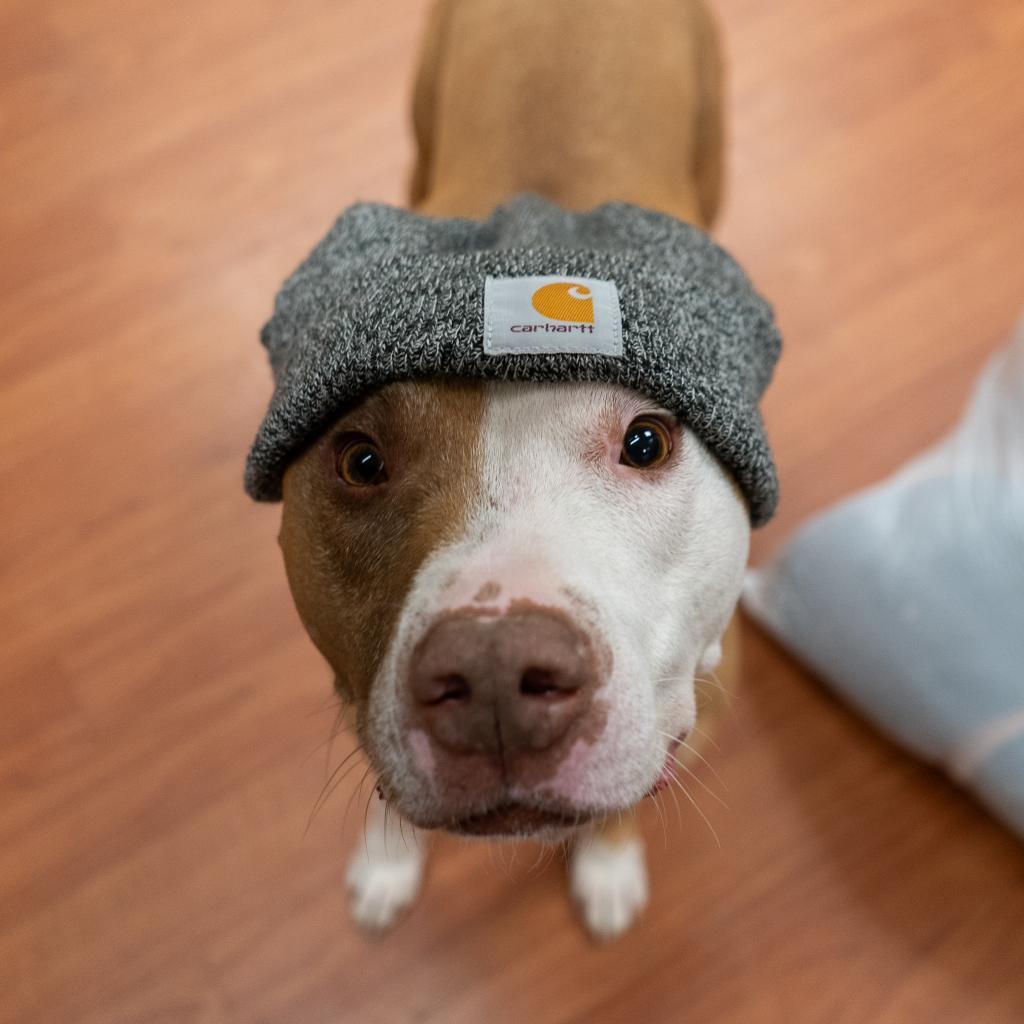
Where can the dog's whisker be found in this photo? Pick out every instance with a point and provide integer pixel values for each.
(675, 800)
(717, 683)
(671, 789)
(494, 855)
(334, 699)
(682, 764)
(695, 752)
(700, 681)
(542, 852)
(542, 859)
(700, 782)
(357, 749)
(331, 785)
(366, 818)
(356, 790)
(711, 768)
(673, 679)
(335, 731)
(509, 856)
(708, 738)
(661, 818)
(331, 702)
(696, 806)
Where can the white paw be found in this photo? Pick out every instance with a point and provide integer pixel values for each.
(609, 882)
(381, 885)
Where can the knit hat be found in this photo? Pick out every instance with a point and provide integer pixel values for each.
(533, 293)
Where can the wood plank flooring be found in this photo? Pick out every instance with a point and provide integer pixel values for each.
(162, 715)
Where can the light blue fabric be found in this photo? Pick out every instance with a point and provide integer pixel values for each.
(908, 599)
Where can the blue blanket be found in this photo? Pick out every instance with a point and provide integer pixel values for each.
(908, 598)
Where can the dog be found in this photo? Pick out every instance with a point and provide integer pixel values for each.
(527, 577)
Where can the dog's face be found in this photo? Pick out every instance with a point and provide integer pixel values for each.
(515, 585)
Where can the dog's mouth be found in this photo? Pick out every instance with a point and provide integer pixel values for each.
(517, 819)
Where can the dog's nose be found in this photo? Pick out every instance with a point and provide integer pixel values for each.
(504, 685)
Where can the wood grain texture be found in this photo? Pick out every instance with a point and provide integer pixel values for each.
(161, 712)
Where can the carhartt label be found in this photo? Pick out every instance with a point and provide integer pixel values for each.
(545, 315)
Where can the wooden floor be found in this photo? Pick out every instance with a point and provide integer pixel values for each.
(161, 713)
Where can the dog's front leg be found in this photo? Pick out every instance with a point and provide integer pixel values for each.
(386, 869)
(608, 876)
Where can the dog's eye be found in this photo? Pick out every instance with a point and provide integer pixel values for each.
(360, 464)
(647, 443)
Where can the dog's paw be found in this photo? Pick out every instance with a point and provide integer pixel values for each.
(382, 886)
(609, 882)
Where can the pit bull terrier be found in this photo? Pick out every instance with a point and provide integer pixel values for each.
(516, 583)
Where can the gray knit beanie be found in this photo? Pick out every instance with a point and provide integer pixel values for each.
(619, 294)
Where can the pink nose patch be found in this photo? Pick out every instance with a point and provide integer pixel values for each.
(422, 754)
(498, 583)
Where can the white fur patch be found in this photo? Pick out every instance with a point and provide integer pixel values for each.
(609, 882)
(386, 871)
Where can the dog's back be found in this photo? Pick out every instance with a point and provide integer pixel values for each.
(582, 101)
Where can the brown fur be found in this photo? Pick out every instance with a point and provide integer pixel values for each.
(351, 555)
(583, 101)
